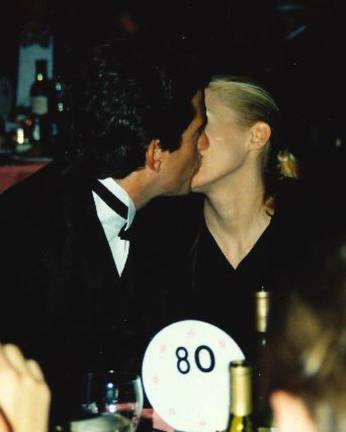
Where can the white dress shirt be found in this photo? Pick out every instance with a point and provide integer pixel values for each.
(112, 222)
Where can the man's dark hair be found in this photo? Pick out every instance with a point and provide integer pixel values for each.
(128, 92)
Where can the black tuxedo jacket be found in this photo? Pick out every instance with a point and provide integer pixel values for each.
(62, 300)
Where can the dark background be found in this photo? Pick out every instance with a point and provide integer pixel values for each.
(251, 37)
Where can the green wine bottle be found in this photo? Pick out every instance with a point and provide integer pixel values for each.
(240, 419)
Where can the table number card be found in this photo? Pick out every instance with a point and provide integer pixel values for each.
(185, 375)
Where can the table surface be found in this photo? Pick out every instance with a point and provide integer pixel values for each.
(16, 169)
(150, 422)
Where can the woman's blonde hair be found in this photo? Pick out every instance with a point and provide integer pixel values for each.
(253, 103)
(250, 102)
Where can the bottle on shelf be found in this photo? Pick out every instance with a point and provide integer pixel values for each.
(262, 413)
(240, 418)
(41, 124)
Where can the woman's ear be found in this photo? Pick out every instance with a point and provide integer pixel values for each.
(260, 135)
(153, 155)
(290, 413)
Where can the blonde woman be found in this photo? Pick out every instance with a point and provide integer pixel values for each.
(242, 228)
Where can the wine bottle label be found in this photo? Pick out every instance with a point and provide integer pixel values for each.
(39, 105)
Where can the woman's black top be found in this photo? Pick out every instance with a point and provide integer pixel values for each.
(202, 283)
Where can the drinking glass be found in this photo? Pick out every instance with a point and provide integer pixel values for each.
(112, 402)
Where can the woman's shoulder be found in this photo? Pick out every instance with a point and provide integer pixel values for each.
(299, 209)
(290, 210)
(288, 188)
(289, 196)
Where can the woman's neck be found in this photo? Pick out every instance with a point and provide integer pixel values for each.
(233, 202)
(235, 215)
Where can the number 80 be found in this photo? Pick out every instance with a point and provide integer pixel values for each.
(183, 365)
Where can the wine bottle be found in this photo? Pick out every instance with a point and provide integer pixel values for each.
(41, 133)
(39, 90)
(240, 419)
(262, 412)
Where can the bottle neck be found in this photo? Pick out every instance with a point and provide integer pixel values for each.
(262, 311)
(41, 71)
(241, 395)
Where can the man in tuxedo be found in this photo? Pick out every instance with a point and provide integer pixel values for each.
(68, 279)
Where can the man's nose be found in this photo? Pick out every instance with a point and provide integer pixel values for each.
(203, 142)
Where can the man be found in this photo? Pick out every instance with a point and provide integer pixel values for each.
(67, 267)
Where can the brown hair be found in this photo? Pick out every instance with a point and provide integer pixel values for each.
(307, 350)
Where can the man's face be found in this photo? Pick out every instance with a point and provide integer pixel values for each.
(181, 165)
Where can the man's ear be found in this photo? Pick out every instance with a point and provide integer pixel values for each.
(153, 155)
(290, 413)
(260, 134)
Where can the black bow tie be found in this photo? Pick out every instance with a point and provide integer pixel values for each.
(126, 235)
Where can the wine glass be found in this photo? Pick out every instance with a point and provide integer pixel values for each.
(112, 402)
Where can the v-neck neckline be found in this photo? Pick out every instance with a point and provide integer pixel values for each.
(251, 252)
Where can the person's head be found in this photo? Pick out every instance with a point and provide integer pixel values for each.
(306, 361)
(137, 105)
(242, 123)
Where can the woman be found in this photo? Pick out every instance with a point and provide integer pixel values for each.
(243, 239)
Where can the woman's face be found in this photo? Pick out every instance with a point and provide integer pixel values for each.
(228, 144)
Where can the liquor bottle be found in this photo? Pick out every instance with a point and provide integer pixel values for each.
(41, 126)
(240, 419)
(262, 412)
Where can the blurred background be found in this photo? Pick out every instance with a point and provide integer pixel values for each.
(295, 47)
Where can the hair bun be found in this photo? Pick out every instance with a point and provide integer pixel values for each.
(287, 164)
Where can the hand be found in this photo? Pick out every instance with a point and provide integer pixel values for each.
(24, 394)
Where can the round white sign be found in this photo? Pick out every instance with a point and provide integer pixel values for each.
(186, 377)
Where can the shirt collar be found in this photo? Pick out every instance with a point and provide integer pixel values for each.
(107, 215)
